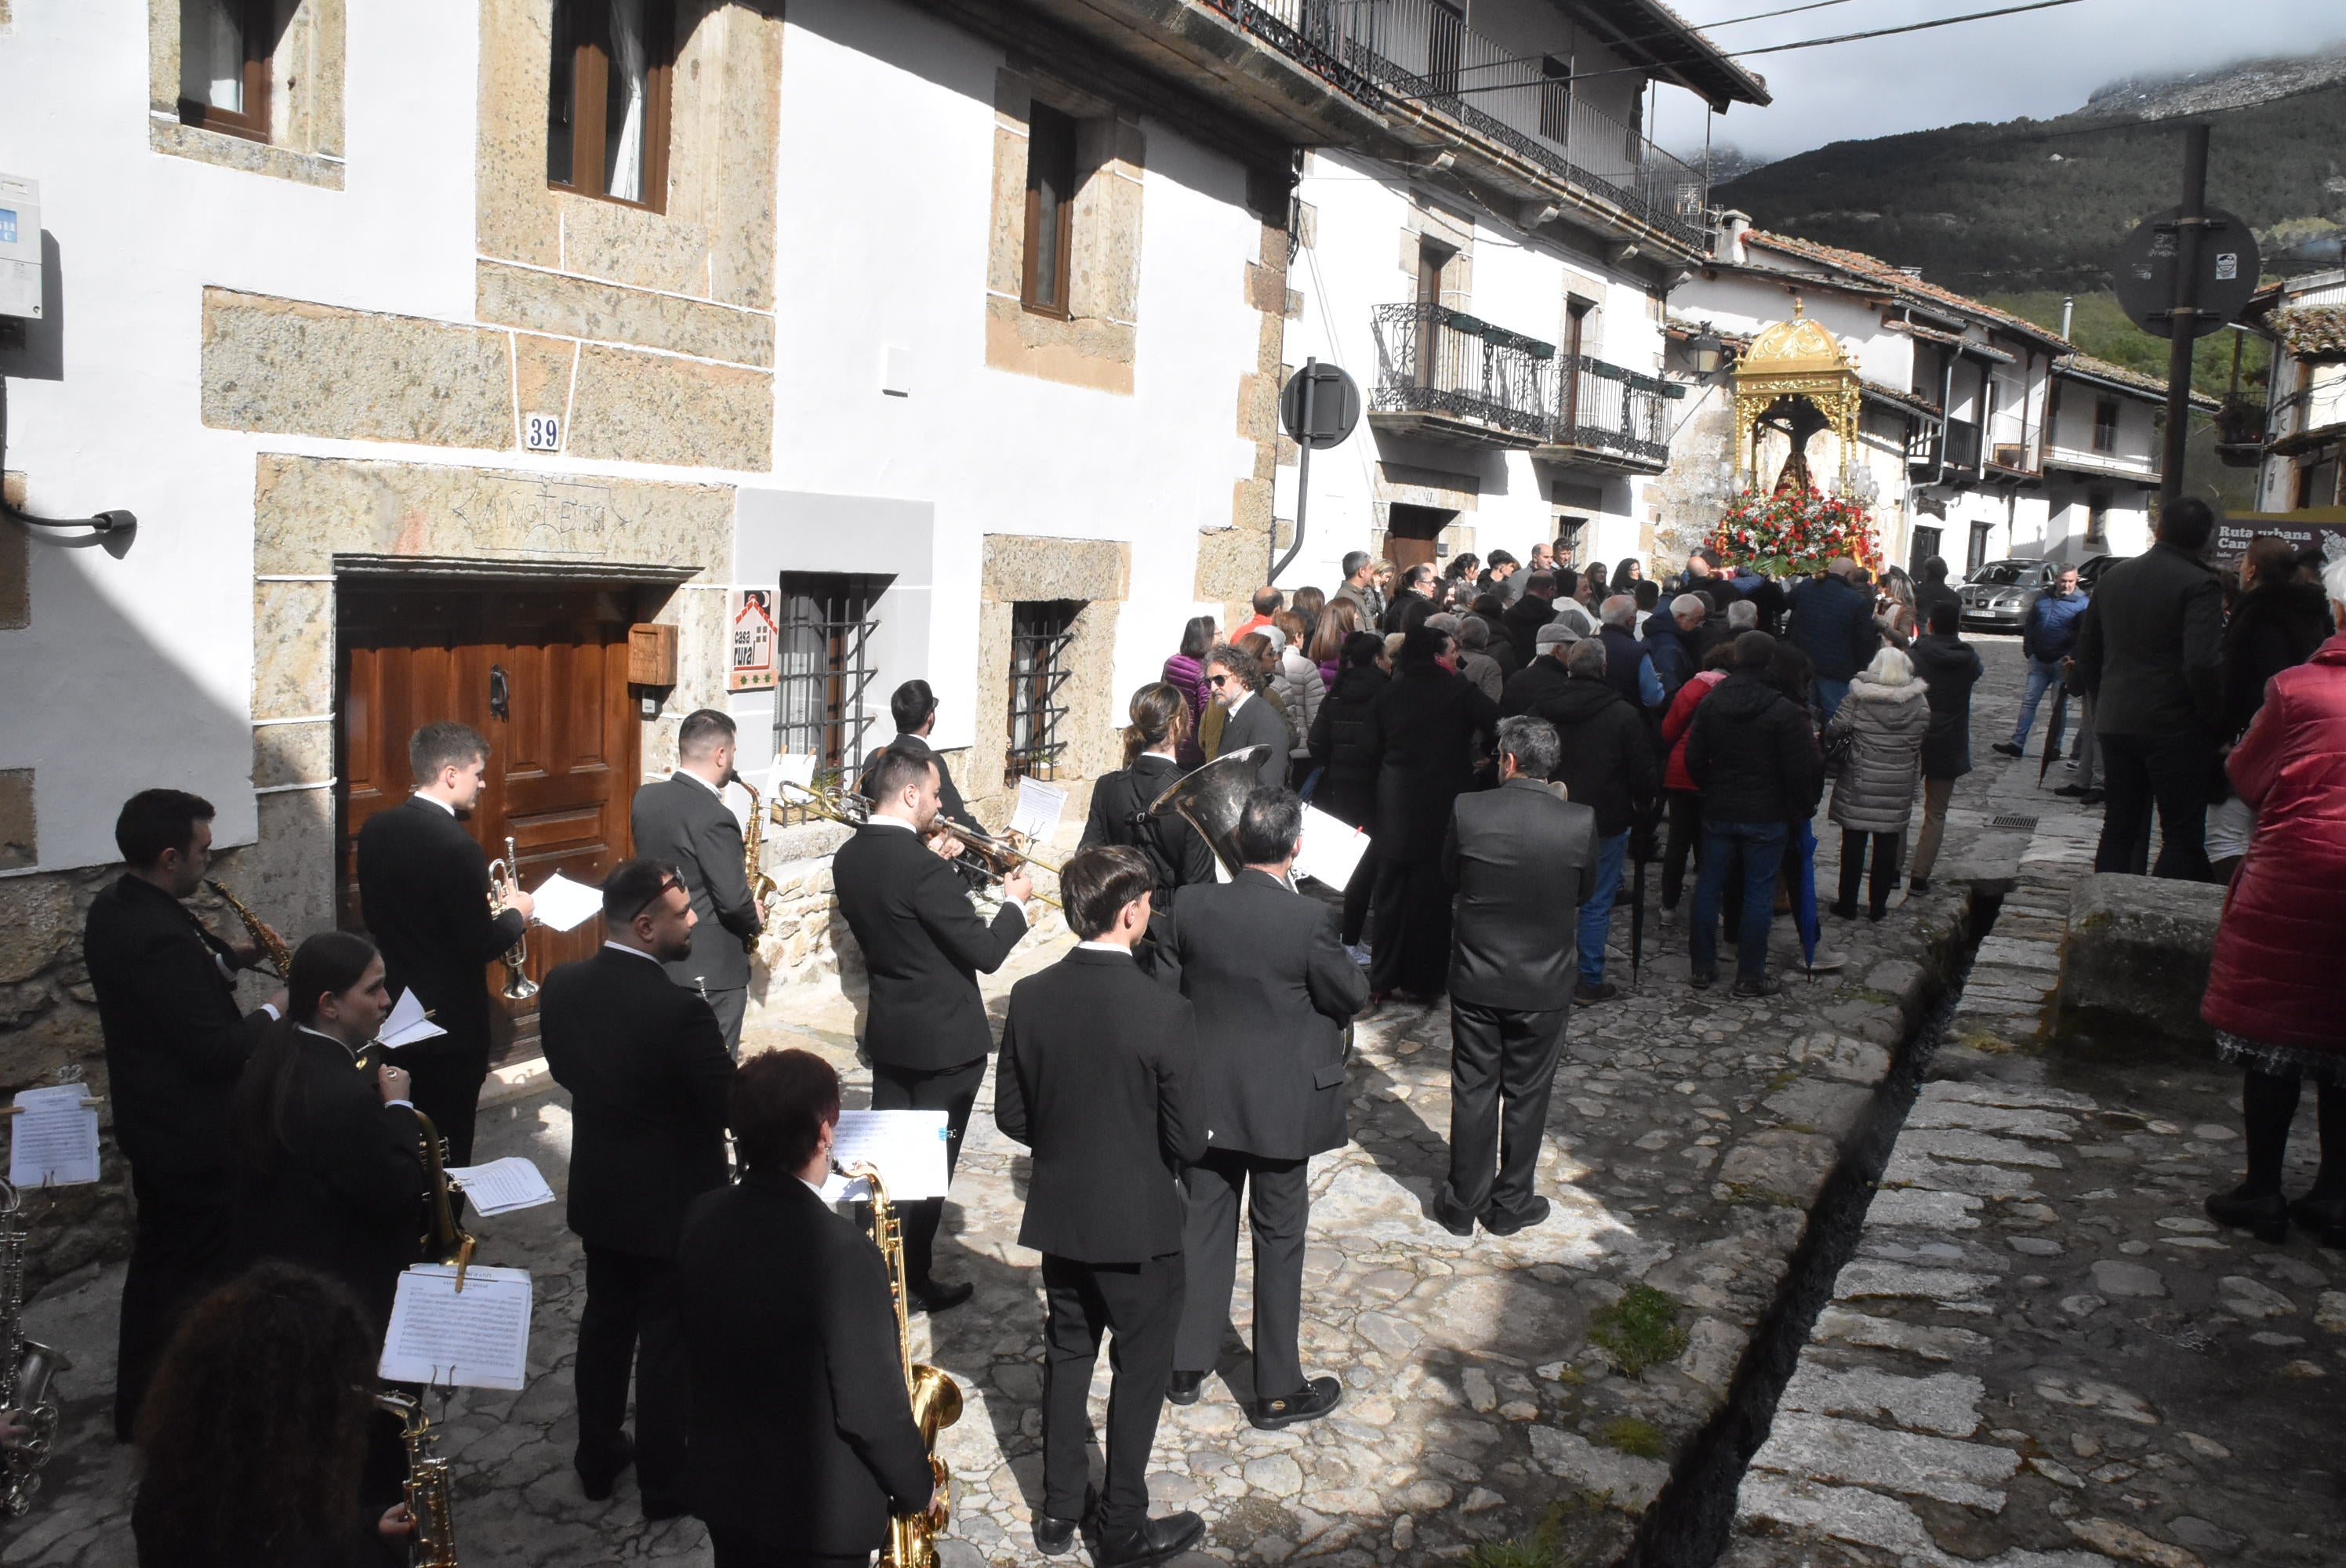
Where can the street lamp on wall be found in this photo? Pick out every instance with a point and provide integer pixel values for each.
(1708, 354)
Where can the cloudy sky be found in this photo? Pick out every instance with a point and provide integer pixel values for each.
(2041, 64)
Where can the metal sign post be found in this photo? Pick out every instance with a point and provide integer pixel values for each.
(2185, 318)
(1319, 406)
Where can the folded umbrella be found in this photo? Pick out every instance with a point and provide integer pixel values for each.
(1804, 892)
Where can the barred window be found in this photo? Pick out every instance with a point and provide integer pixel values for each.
(822, 665)
(1040, 631)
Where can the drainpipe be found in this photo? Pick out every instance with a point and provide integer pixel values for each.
(2068, 310)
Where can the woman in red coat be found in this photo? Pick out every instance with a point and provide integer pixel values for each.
(2277, 991)
(1684, 800)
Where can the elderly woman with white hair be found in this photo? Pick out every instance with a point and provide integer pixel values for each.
(1884, 721)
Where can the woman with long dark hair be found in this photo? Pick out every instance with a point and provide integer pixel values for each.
(2277, 625)
(1337, 624)
(1186, 671)
(1308, 602)
(254, 1434)
(1120, 800)
(329, 1148)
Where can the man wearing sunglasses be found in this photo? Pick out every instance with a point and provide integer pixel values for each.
(1248, 718)
(646, 1064)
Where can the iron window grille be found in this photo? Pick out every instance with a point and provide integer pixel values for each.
(823, 667)
(1040, 631)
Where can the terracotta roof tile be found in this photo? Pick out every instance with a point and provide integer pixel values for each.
(2311, 330)
(2103, 370)
(1879, 271)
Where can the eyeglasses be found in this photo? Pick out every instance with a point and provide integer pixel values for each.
(1217, 681)
(657, 893)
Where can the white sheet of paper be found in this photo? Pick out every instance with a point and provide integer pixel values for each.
(837, 1189)
(565, 905)
(407, 1024)
(790, 768)
(501, 1186)
(1040, 807)
(1331, 848)
(476, 1337)
(53, 1137)
(908, 1147)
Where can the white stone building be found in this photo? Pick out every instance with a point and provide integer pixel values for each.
(1493, 275)
(1978, 436)
(2304, 433)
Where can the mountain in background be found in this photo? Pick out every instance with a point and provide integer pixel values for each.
(2041, 205)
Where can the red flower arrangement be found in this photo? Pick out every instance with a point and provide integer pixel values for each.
(1794, 532)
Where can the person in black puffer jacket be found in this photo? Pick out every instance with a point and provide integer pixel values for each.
(1348, 782)
(1753, 754)
(2277, 625)
(1527, 614)
(1950, 667)
(1606, 763)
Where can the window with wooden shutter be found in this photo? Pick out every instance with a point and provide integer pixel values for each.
(607, 118)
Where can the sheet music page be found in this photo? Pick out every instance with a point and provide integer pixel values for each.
(908, 1147)
(407, 1023)
(1040, 807)
(476, 1337)
(1331, 848)
(53, 1137)
(501, 1186)
(565, 905)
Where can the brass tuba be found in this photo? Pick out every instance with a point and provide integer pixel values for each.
(28, 1368)
(518, 986)
(1210, 797)
(936, 1398)
(430, 1502)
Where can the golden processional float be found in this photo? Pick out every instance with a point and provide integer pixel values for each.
(1795, 380)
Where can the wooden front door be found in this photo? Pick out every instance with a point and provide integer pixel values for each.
(543, 675)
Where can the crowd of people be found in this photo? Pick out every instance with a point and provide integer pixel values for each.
(1517, 739)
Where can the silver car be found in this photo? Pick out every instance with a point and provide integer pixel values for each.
(1996, 597)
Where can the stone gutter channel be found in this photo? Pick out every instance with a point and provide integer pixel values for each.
(1691, 1521)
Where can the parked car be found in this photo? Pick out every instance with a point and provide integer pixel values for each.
(2090, 573)
(1996, 597)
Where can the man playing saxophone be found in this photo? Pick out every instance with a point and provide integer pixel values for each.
(175, 1044)
(647, 1074)
(683, 822)
(423, 892)
(802, 1438)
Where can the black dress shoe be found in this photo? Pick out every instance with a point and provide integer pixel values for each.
(1181, 1388)
(1535, 1213)
(657, 1510)
(1054, 1535)
(940, 1297)
(2325, 1216)
(1314, 1399)
(2005, 749)
(1588, 994)
(2070, 791)
(1703, 979)
(2263, 1214)
(2093, 796)
(1456, 1221)
(1919, 885)
(1152, 1542)
(598, 1477)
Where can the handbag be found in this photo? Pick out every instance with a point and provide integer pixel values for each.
(1839, 742)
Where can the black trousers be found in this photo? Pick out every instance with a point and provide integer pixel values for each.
(1686, 842)
(632, 1316)
(1279, 1209)
(954, 1091)
(730, 1006)
(1410, 906)
(445, 1086)
(179, 1249)
(2171, 772)
(1883, 880)
(1140, 1304)
(1502, 1067)
(737, 1549)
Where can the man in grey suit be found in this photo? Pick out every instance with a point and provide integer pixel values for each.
(682, 821)
(1272, 989)
(1511, 854)
(1248, 716)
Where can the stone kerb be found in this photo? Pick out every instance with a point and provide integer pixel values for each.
(2134, 963)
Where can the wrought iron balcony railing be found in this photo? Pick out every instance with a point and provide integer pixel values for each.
(1433, 360)
(1421, 52)
(1608, 408)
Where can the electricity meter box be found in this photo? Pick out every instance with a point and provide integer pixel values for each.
(20, 247)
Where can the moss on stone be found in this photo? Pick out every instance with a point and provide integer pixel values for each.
(1632, 1435)
(1639, 1331)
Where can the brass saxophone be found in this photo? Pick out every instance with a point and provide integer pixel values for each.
(753, 858)
(429, 1502)
(26, 1369)
(445, 1241)
(270, 943)
(936, 1398)
(518, 986)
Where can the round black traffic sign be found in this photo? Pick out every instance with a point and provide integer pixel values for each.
(2145, 273)
(1320, 405)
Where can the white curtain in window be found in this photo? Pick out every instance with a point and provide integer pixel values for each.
(211, 56)
(625, 132)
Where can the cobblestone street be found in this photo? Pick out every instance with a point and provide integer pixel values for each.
(2040, 1356)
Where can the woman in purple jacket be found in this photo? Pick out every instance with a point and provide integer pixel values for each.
(1186, 672)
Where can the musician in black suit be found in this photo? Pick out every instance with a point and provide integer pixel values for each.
(1272, 989)
(802, 1434)
(1512, 854)
(1175, 851)
(1234, 680)
(175, 1045)
(923, 945)
(913, 706)
(330, 1152)
(682, 821)
(1096, 1060)
(648, 1071)
(423, 892)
